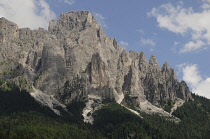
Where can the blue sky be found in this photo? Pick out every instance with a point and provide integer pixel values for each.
(174, 31)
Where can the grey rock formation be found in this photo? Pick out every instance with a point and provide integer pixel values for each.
(8, 30)
(74, 58)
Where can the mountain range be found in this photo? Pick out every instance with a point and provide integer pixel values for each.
(74, 66)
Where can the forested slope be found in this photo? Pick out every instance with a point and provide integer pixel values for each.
(22, 117)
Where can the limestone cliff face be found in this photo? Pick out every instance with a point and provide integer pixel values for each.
(74, 58)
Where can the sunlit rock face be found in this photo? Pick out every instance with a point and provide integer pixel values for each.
(74, 58)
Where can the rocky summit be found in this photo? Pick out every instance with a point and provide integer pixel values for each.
(74, 60)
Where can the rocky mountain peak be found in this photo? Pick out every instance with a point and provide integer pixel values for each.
(77, 20)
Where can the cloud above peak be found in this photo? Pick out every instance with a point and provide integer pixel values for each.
(70, 2)
(27, 13)
(191, 75)
(149, 42)
(185, 21)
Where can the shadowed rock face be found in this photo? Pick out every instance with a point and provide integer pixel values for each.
(75, 58)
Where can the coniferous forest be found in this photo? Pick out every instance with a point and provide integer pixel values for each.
(22, 117)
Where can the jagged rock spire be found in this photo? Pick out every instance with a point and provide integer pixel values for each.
(165, 67)
(142, 58)
(153, 63)
(8, 30)
(153, 60)
(168, 72)
(51, 25)
(143, 64)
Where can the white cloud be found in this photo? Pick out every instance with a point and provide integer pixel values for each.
(207, 1)
(101, 19)
(140, 31)
(151, 50)
(192, 45)
(122, 43)
(192, 76)
(180, 20)
(205, 6)
(148, 42)
(70, 2)
(176, 43)
(27, 13)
